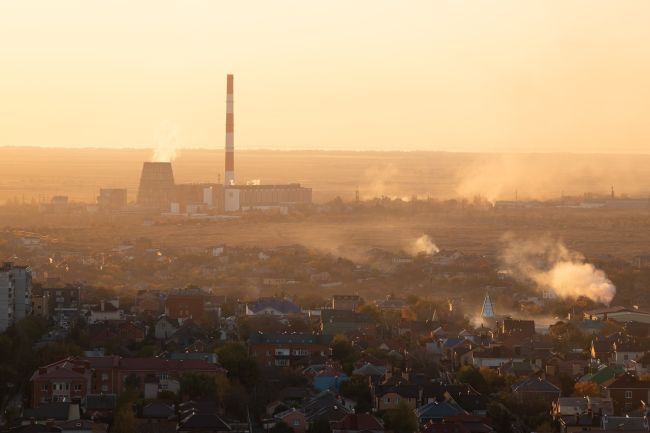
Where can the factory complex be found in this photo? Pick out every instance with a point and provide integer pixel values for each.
(159, 192)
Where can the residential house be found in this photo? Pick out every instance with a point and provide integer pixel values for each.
(438, 411)
(165, 327)
(494, 357)
(149, 302)
(73, 379)
(324, 406)
(295, 419)
(346, 302)
(278, 307)
(328, 378)
(284, 350)
(626, 351)
(52, 412)
(65, 381)
(105, 311)
(166, 372)
(389, 396)
(185, 304)
(358, 423)
(628, 393)
(335, 322)
(535, 389)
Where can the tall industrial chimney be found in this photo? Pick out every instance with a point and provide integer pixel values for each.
(229, 178)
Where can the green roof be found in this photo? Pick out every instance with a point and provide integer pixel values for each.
(603, 374)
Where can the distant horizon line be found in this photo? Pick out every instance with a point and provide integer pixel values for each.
(264, 149)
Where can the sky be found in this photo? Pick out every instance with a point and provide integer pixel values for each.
(438, 75)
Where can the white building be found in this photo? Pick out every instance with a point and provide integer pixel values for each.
(15, 294)
(106, 311)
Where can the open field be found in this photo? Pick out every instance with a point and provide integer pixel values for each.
(593, 232)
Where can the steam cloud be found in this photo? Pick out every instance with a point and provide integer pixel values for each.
(425, 245)
(550, 265)
(166, 138)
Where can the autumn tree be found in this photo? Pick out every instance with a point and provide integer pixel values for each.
(586, 389)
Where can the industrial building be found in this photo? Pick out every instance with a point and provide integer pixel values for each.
(111, 199)
(159, 192)
(250, 197)
(157, 186)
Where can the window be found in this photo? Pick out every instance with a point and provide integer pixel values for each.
(626, 357)
(386, 399)
(628, 394)
(44, 387)
(104, 388)
(104, 376)
(77, 387)
(296, 422)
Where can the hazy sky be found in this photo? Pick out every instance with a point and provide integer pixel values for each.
(500, 75)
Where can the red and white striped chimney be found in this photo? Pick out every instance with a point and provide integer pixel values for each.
(229, 178)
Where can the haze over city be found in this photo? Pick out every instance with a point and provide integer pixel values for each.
(480, 76)
(324, 216)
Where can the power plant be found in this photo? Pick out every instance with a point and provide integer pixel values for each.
(158, 192)
(157, 186)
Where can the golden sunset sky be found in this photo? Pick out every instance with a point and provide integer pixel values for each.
(453, 75)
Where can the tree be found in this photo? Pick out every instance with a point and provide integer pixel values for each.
(342, 349)
(586, 389)
(501, 418)
(198, 386)
(471, 376)
(493, 379)
(372, 311)
(241, 367)
(124, 421)
(357, 389)
(402, 419)
(132, 382)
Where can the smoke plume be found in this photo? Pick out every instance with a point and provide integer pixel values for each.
(550, 265)
(166, 139)
(424, 245)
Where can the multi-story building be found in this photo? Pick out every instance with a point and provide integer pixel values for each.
(628, 393)
(186, 304)
(63, 302)
(15, 294)
(72, 379)
(284, 350)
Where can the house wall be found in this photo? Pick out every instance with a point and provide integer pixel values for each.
(626, 400)
(392, 400)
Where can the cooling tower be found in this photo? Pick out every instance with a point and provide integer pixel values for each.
(156, 185)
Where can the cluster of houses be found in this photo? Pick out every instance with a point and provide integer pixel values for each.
(393, 362)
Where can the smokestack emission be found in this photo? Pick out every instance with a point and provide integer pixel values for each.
(229, 178)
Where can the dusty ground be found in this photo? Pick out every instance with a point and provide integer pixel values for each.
(593, 232)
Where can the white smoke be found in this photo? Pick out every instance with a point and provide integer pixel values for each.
(424, 245)
(550, 265)
(166, 139)
(254, 182)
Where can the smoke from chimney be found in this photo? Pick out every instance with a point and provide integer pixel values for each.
(229, 178)
(550, 265)
(424, 245)
(166, 138)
